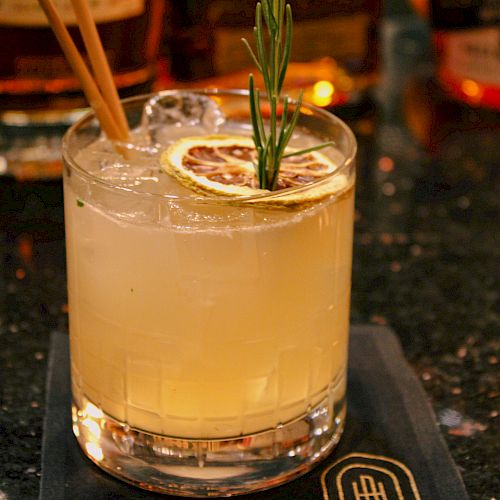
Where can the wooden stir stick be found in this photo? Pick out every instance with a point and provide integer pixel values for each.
(99, 62)
(105, 114)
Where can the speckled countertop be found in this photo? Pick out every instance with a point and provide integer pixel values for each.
(425, 263)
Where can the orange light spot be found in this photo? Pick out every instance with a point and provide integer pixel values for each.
(378, 320)
(20, 274)
(386, 164)
(323, 88)
(395, 267)
(25, 248)
(386, 238)
(470, 88)
(323, 93)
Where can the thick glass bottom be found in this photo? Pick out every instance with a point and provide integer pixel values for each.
(205, 468)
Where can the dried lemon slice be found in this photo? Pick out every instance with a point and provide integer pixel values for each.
(224, 166)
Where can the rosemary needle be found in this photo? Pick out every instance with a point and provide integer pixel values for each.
(272, 63)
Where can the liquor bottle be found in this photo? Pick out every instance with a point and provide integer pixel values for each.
(334, 44)
(34, 75)
(467, 42)
(189, 41)
(39, 94)
(344, 30)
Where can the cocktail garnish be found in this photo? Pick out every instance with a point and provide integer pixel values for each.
(244, 166)
(272, 62)
(223, 165)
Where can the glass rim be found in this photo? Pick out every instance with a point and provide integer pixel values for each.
(213, 198)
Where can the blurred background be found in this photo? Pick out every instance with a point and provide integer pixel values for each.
(342, 50)
(419, 83)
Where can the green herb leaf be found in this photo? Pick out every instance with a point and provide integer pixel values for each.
(272, 63)
(79, 203)
(309, 150)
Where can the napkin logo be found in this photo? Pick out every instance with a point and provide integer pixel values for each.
(360, 476)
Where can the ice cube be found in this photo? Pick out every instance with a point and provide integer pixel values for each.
(128, 175)
(168, 116)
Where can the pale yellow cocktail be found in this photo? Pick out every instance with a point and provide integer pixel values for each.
(209, 332)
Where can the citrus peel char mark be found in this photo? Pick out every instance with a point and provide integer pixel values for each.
(195, 161)
(223, 165)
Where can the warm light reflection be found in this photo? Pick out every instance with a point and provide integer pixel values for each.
(386, 164)
(93, 427)
(470, 88)
(92, 411)
(323, 89)
(323, 93)
(95, 451)
(25, 248)
(321, 102)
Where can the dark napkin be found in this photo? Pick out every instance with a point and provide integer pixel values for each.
(391, 444)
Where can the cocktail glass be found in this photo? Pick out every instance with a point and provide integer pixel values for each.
(208, 334)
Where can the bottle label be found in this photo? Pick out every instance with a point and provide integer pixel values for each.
(455, 14)
(473, 54)
(29, 13)
(341, 37)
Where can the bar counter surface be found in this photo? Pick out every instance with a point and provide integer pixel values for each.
(425, 263)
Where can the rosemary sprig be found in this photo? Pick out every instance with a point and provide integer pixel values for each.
(272, 62)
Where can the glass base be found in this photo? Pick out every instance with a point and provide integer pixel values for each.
(207, 468)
